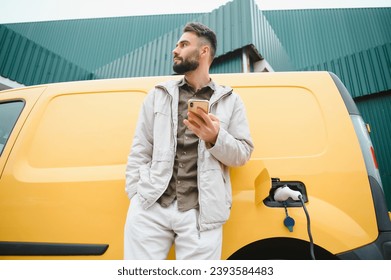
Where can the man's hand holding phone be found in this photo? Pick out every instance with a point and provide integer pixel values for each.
(205, 125)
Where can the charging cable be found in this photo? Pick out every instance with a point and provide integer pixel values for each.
(282, 194)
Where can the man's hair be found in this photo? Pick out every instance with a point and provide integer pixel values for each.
(204, 32)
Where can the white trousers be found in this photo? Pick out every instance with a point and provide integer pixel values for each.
(149, 234)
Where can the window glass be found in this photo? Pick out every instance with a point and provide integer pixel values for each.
(9, 113)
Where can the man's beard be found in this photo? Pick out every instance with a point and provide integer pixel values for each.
(186, 65)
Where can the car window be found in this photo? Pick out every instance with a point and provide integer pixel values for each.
(9, 113)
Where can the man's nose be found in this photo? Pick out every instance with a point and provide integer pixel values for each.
(175, 51)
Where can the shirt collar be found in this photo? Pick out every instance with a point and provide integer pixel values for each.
(211, 84)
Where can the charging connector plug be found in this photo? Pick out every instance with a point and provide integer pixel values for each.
(284, 193)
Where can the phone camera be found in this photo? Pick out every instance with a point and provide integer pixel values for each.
(191, 104)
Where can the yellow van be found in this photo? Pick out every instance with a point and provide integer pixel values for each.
(63, 151)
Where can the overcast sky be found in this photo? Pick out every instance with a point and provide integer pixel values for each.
(12, 11)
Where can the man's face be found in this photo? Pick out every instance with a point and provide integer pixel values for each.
(186, 53)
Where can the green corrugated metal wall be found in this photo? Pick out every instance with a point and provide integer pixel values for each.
(289, 40)
(363, 72)
(314, 36)
(29, 63)
(237, 24)
(268, 42)
(104, 45)
(353, 43)
(91, 43)
(231, 65)
(151, 59)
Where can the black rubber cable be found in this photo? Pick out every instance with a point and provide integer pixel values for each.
(308, 228)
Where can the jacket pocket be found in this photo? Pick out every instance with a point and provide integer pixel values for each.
(209, 162)
(155, 176)
(215, 201)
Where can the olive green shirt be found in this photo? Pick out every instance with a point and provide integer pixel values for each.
(183, 183)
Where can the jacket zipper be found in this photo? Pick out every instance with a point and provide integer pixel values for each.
(198, 170)
(220, 98)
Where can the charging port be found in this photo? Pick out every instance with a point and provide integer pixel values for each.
(293, 185)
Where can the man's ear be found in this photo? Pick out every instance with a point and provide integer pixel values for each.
(205, 50)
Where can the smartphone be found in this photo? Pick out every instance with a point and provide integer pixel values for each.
(193, 104)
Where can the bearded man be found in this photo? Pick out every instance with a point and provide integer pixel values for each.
(177, 175)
